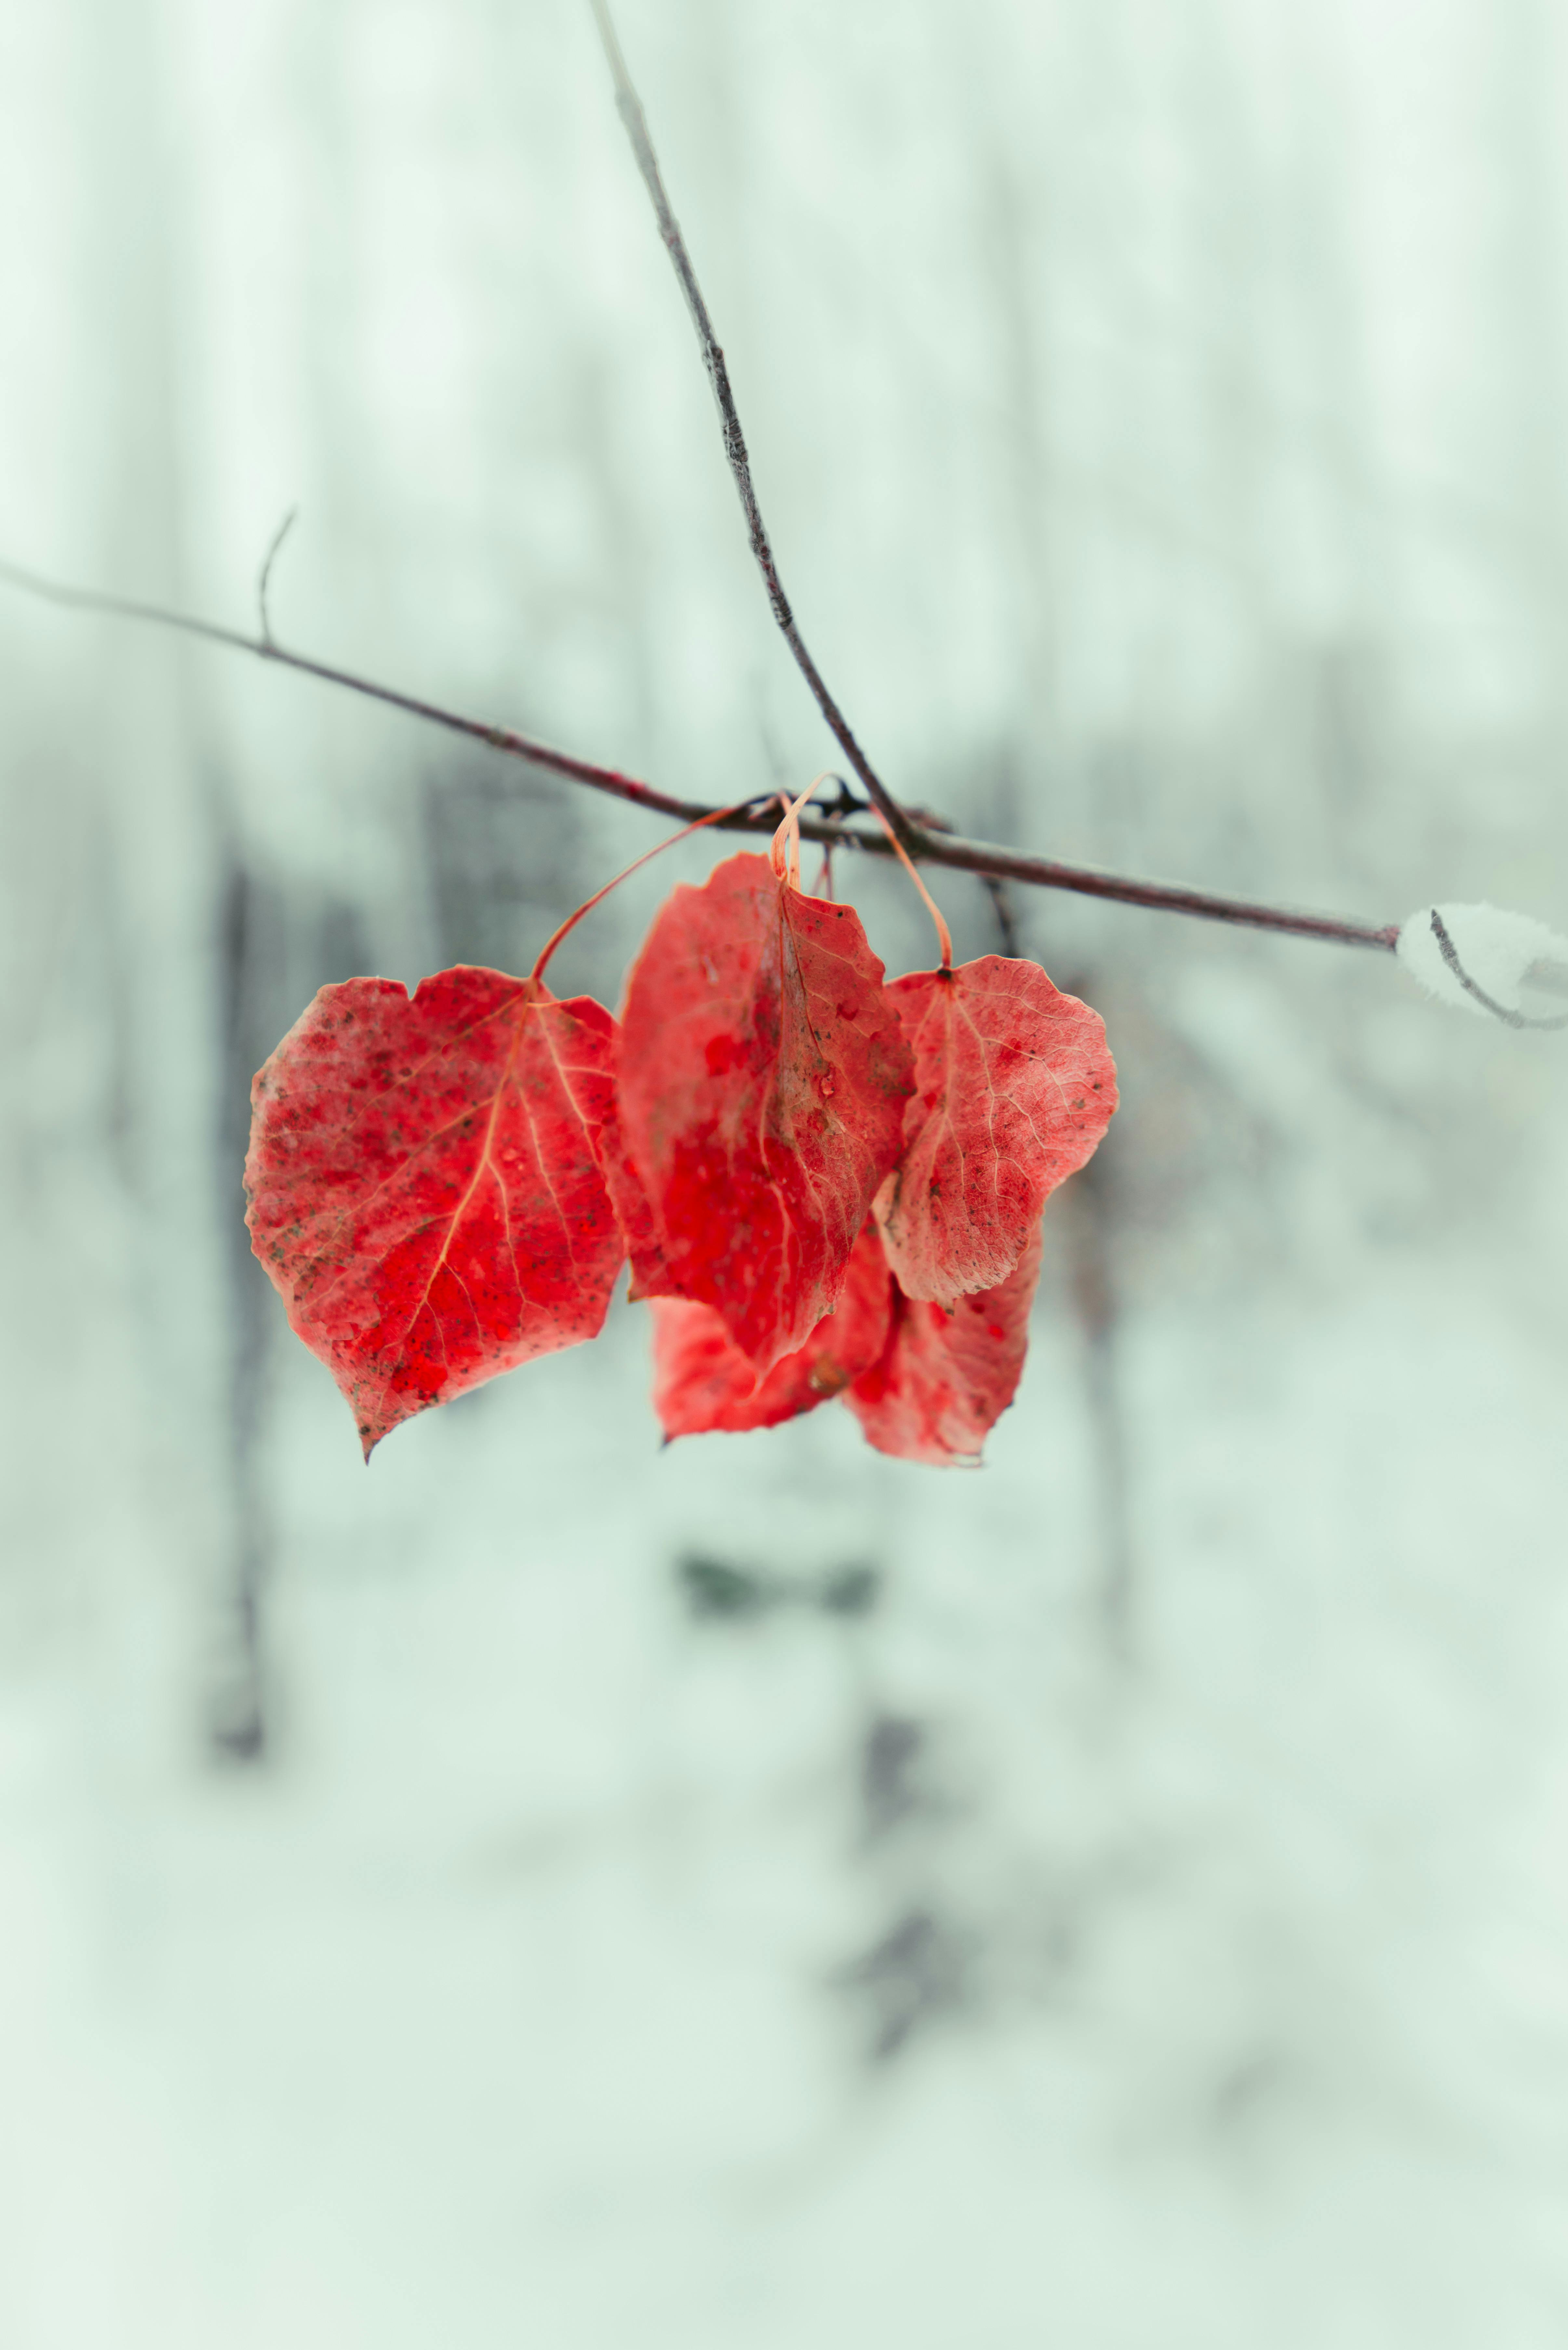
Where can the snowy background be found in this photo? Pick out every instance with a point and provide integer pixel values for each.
(548, 1891)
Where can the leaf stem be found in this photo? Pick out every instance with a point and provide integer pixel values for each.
(944, 936)
(559, 932)
(786, 845)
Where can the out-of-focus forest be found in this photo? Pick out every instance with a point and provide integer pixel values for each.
(547, 1889)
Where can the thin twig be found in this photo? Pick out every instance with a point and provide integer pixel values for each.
(986, 857)
(1002, 908)
(982, 856)
(279, 535)
(629, 107)
(499, 738)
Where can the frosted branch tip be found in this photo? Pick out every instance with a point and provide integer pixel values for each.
(1484, 960)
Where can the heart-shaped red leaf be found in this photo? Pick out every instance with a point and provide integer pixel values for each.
(1013, 1088)
(426, 1187)
(946, 1375)
(762, 1075)
(701, 1382)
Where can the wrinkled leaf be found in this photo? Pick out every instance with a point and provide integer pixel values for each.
(947, 1374)
(425, 1184)
(1013, 1088)
(762, 1075)
(702, 1382)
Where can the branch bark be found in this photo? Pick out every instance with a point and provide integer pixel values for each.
(629, 107)
(987, 859)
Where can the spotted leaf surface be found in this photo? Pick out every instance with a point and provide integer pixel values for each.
(426, 1187)
(762, 1075)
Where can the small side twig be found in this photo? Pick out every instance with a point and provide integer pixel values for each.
(264, 581)
(1002, 908)
(629, 107)
(265, 647)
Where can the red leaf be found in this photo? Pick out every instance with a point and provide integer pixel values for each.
(634, 1210)
(1013, 1088)
(426, 1186)
(947, 1374)
(701, 1382)
(762, 1075)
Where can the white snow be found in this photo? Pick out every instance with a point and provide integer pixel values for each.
(1493, 948)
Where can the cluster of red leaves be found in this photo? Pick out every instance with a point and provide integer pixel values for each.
(827, 1186)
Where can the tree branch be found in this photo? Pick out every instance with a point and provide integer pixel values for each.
(996, 865)
(267, 648)
(982, 856)
(629, 107)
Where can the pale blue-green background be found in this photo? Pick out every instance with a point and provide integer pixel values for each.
(1146, 1928)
